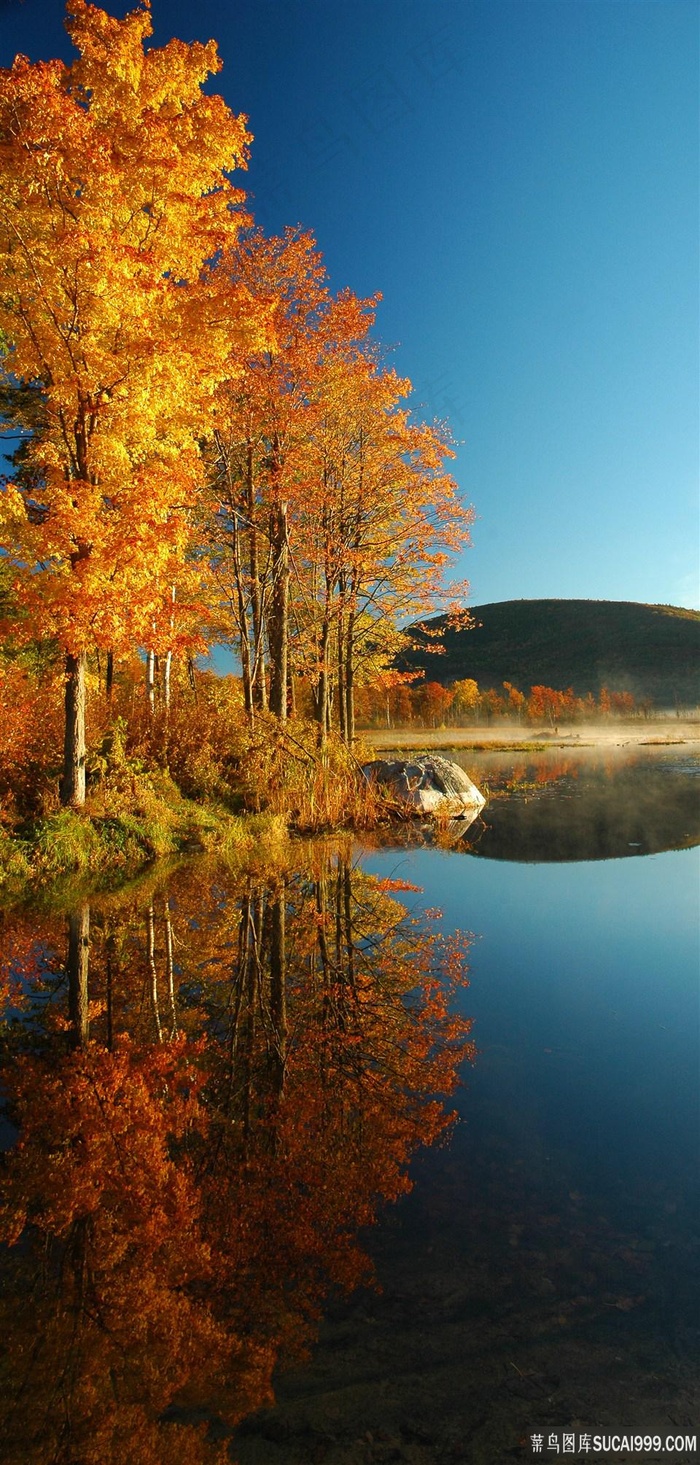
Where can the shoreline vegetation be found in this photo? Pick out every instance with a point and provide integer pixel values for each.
(196, 782)
(194, 778)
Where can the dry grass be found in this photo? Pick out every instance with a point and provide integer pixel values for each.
(282, 769)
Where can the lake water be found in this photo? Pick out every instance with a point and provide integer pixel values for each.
(221, 1093)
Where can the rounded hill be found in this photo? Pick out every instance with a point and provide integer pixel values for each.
(652, 651)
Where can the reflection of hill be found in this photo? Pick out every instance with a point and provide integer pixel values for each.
(222, 1081)
(593, 818)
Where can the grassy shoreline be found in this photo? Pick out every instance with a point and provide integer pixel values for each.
(108, 848)
(137, 823)
(238, 801)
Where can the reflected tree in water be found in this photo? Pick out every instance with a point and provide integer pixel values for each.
(215, 1091)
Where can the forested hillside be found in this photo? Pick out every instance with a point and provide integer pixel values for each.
(649, 650)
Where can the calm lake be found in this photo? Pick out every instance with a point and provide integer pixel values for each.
(222, 1080)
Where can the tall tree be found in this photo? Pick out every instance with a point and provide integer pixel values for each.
(382, 519)
(263, 459)
(116, 210)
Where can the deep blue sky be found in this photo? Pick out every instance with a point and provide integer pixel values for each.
(519, 178)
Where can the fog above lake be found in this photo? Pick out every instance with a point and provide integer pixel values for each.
(654, 732)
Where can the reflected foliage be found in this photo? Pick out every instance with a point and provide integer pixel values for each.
(566, 809)
(216, 1085)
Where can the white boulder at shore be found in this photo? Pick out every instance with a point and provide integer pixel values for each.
(428, 784)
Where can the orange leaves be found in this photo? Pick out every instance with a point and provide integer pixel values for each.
(395, 887)
(545, 704)
(434, 702)
(154, 97)
(30, 735)
(116, 199)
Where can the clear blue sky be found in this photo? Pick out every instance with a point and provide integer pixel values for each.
(519, 178)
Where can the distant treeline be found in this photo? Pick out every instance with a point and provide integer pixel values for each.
(397, 703)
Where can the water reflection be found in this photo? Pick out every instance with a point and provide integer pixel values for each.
(561, 808)
(216, 1084)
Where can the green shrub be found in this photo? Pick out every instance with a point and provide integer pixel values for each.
(67, 841)
(15, 867)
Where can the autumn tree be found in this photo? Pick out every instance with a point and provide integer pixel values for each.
(264, 478)
(466, 697)
(382, 520)
(623, 703)
(516, 700)
(333, 517)
(434, 702)
(260, 428)
(547, 704)
(116, 208)
(491, 704)
(388, 697)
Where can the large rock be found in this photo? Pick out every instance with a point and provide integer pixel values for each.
(428, 784)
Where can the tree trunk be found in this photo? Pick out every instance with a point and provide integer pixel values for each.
(151, 958)
(259, 685)
(73, 782)
(323, 694)
(342, 689)
(279, 619)
(243, 630)
(170, 970)
(109, 677)
(347, 908)
(151, 681)
(350, 680)
(244, 642)
(248, 698)
(78, 962)
(167, 667)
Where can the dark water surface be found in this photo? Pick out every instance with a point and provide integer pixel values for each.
(220, 1083)
(545, 1270)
